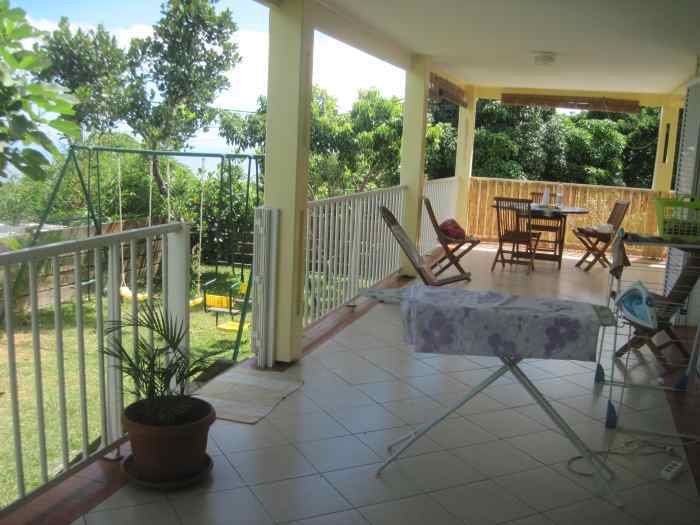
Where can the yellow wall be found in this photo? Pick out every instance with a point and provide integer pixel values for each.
(465, 156)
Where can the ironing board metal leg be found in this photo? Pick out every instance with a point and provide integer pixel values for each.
(599, 467)
(414, 436)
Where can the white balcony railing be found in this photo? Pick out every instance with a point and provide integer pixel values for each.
(443, 197)
(65, 396)
(348, 247)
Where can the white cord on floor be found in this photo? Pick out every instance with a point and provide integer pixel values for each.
(634, 448)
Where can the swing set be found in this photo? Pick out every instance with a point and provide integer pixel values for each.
(230, 244)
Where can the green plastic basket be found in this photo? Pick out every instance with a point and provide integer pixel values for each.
(678, 218)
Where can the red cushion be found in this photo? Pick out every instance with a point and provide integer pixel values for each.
(451, 228)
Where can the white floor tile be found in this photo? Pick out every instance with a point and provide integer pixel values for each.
(231, 437)
(309, 426)
(128, 496)
(271, 464)
(474, 377)
(453, 433)
(451, 363)
(338, 453)
(483, 503)
(476, 405)
(159, 513)
(361, 486)
(221, 508)
(437, 470)
(417, 510)
(543, 488)
(571, 416)
(560, 388)
(222, 477)
(624, 478)
(548, 447)
(653, 504)
(347, 517)
(363, 373)
(390, 391)
(560, 368)
(332, 397)
(510, 396)
(366, 418)
(591, 511)
(506, 423)
(437, 384)
(415, 411)
(299, 498)
(379, 440)
(496, 458)
(408, 368)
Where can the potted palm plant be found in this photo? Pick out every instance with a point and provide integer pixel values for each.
(167, 428)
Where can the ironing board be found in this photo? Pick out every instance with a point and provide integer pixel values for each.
(512, 328)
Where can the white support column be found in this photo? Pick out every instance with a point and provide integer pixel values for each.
(465, 156)
(415, 108)
(666, 147)
(179, 280)
(286, 161)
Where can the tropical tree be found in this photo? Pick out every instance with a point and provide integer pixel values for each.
(92, 66)
(28, 106)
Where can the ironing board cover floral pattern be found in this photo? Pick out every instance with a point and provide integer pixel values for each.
(457, 321)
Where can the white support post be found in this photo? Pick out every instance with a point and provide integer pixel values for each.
(113, 389)
(413, 150)
(466, 129)
(286, 162)
(179, 280)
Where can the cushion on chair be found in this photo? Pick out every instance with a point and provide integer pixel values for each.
(451, 228)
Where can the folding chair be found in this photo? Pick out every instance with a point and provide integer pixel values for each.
(555, 224)
(596, 242)
(451, 245)
(422, 268)
(513, 219)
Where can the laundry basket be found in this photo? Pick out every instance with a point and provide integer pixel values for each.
(678, 218)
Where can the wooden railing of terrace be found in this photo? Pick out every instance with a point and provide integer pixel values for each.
(641, 217)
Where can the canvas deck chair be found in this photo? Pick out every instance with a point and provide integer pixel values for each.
(453, 248)
(597, 243)
(666, 307)
(422, 268)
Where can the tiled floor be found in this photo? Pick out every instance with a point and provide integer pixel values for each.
(497, 460)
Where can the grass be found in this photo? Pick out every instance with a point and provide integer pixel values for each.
(203, 338)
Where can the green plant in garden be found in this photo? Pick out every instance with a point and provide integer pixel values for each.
(28, 106)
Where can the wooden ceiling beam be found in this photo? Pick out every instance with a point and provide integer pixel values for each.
(615, 105)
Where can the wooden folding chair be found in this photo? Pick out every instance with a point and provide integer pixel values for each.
(546, 226)
(422, 268)
(453, 248)
(597, 243)
(513, 219)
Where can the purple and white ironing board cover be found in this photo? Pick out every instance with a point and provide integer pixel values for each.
(458, 321)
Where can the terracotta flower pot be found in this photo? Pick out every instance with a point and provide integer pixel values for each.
(169, 453)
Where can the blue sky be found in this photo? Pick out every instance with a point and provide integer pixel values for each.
(338, 68)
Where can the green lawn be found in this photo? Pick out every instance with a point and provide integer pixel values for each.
(203, 337)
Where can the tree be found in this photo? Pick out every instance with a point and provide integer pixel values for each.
(28, 106)
(93, 67)
(164, 86)
(175, 75)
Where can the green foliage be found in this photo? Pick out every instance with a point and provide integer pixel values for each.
(174, 75)
(587, 147)
(160, 370)
(28, 106)
(92, 66)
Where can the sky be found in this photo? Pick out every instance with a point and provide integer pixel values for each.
(338, 68)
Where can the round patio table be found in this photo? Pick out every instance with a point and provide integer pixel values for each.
(539, 211)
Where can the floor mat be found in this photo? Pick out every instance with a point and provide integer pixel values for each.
(246, 396)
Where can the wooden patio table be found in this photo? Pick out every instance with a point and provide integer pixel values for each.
(539, 211)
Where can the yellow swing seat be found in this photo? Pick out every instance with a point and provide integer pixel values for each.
(128, 295)
(231, 326)
(196, 301)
